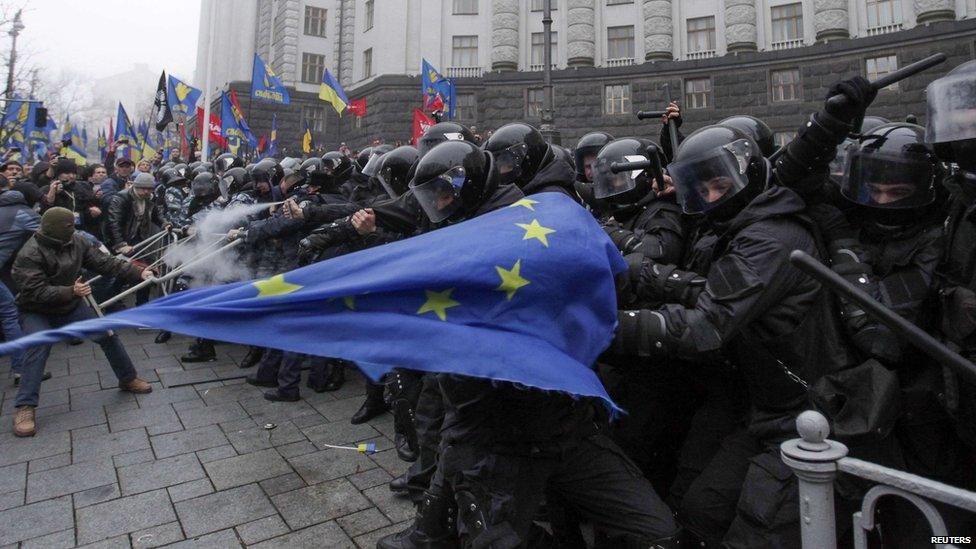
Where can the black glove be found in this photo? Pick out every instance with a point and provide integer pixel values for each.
(832, 222)
(857, 95)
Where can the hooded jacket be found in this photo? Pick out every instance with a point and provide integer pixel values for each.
(17, 223)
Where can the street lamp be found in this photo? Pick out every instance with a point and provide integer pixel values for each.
(548, 126)
(14, 31)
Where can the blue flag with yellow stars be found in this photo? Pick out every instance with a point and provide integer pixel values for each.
(523, 294)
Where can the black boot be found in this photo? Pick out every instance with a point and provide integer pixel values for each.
(434, 528)
(252, 357)
(406, 451)
(162, 337)
(399, 485)
(277, 396)
(337, 377)
(373, 406)
(201, 351)
(253, 380)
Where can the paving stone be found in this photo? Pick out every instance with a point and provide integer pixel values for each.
(319, 503)
(322, 535)
(189, 404)
(65, 382)
(9, 500)
(309, 420)
(296, 449)
(144, 477)
(68, 480)
(35, 520)
(142, 417)
(70, 420)
(163, 429)
(284, 483)
(190, 490)
(63, 539)
(258, 438)
(118, 542)
(330, 464)
(131, 458)
(390, 462)
(225, 509)
(162, 395)
(156, 536)
(337, 410)
(214, 454)
(43, 464)
(183, 376)
(397, 509)
(96, 495)
(363, 521)
(198, 417)
(97, 399)
(220, 540)
(121, 516)
(47, 401)
(241, 424)
(261, 529)
(89, 432)
(340, 432)
(231, 393)
(247, 468)
(368, 541)
(101, 447)
(13, 477)
(263, 410)
(188, 441)
(368, 479)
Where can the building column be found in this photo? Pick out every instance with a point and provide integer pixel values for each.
(740, 25)
(658, 34)
(580, 25)
(504, 35)
(931, 11)
(831, 20)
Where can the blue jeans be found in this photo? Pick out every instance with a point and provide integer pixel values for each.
(36, 357)
(10, 323)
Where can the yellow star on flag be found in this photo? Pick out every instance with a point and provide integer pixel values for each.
(438, 303)
(536, 231)
(512, 279)
(275, 285)
(350, 302)
(525, 202)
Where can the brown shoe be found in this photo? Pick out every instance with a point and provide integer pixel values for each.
(135, 385)
(24, 421)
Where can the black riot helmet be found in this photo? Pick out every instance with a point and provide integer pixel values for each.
(519, 151)
(441, 132)
(951, 116)
(263, 172)
(586, 150)
(227, 161)
(628, 187)
(453, 180)
(173, 178)
(193, 165)
(394, 170)
(372, 163)
(891, 173)
(562, 153)
(289, 167)
(181, 169)
(202, 167)
(717, 171)
(756, 129)
(314, 173)
(871, 122)
(233, 182)
(363, 157)
(204, 186)
(338, 166)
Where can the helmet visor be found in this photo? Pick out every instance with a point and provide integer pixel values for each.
(385, 177)
(951, 108)
(373, 165)
(839, 162)
(225, 187)
(884, 180)
(607, 184)
(440, 197)
(509, 162)
(706, 182)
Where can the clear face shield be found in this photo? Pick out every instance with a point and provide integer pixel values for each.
(884, 180)
(708, 181)
(440, 197)
(225, 187)
(839, 162)
(607, 184)
(509, 162)
(385, 177)
(373, 164)
(951, 106)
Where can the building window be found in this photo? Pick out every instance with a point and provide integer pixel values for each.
(315, 116)
(368, 18)
(358, 122)
(787, 23)
(783, 138)
(465, 51)
(617, 99)
(313, 65)
(533, 102)
(466, 111)
(698, 92)
(620, 42)
(701, 34)
(539, 5)
(368, 63)
(539, 49)
(465, 7)
(786, 85)
(880, 66)
(612, 2)
(883, 13)
(315, 21)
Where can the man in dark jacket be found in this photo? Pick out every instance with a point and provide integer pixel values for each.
(66, 191)
(48, 270)
(17, 223)
(132, 216)
(14, 173)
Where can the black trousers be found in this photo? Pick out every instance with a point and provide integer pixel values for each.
(430, 417)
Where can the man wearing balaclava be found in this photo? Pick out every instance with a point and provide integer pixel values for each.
(48, 272)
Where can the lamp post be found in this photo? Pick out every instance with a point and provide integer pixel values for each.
(14, 32)
(548, 129)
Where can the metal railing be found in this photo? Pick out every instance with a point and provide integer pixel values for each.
(704, 54)
(539, 66)
(816, 461)
(619, 62)
(465, 72)
(884, 29)
(788, 44)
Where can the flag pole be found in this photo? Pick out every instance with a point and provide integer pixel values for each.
(208, 92)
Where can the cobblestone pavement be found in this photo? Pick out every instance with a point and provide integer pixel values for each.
(190, 466)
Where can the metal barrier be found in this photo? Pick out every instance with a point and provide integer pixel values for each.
(816, 461)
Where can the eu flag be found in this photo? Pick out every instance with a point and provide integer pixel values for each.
(265, 84)
(523, 294)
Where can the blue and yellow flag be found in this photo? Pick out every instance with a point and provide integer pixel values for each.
(265, 84)
(75, 153)
(123, 126)
(13, 128)
(332, 91)
(39, 138)
(182, 97)
(273, 140)
(69, 131)
(233, 126)
(307, 144)
(523, 294)
(434, 85)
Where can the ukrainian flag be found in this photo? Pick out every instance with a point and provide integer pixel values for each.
(307, 144)
(75, 153)
(332, 91)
